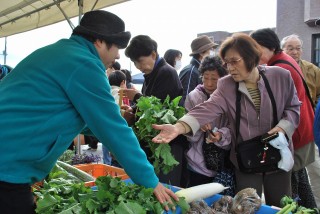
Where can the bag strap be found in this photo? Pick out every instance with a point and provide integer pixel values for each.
(238, 109)
(273, 102)
(303, 80)
(238, 104)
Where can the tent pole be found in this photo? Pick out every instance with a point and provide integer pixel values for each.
(80, 4)
(5, 51)
(64, 14)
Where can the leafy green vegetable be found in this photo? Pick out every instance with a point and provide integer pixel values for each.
(67, 156)
(59, 195)
(153, 111)
(71, 158)
(290, 205)
(64, 195)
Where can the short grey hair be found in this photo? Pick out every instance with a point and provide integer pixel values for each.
(292, 36)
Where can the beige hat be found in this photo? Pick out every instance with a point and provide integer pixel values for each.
(201, 44)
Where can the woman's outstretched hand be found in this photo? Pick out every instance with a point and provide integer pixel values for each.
(167, 133)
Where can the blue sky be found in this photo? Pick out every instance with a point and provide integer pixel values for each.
(172, 23)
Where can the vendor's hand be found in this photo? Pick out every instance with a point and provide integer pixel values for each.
(129, 93)
(164, 195)
(167, 133)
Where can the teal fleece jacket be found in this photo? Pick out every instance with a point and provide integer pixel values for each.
(51, 96)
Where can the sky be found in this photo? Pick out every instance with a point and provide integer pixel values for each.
(171, 23)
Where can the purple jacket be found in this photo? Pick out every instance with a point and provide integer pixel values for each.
(252, 124)
(195, 153)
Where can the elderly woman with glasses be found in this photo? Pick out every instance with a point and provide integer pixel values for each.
(241, 55)
(303, 139)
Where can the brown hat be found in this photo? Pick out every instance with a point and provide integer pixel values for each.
(201, 44)
(104, 25)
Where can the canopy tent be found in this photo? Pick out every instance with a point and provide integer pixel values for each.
(17, 16)
(138, 78)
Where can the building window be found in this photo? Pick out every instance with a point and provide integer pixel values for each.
(316, 49)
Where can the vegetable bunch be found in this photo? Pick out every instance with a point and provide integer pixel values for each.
(113, 196)
(67, 196)
(152, 111)
(71, 158)
(84, 159)
(59, 193)
(290, 205)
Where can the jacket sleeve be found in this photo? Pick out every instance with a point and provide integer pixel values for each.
(136, 97)
(90, 94)
(189, 81)
(225, 141)
(215, 106)
(189, 104)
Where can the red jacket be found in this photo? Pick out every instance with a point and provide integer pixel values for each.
(303, 134)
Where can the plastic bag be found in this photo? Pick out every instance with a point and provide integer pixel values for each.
(223, 205)
(246, 201)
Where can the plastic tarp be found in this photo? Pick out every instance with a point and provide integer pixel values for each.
(17, 16)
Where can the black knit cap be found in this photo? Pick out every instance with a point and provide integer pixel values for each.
(104, 25)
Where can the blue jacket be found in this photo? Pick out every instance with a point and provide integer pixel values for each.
(51, 96)
(189, 77)
(316, 127)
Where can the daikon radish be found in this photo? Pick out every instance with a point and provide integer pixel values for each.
(200, 192)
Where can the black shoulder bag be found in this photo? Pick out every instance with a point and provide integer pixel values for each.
(257, 155)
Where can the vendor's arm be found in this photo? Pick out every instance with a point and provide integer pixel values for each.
(96, 106)
(102, 116)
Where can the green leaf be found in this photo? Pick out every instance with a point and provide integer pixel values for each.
(175, 101)
(129, 208)
(168, 117)
(182, 203)
(92, 205)
(74, 209)
(46, 203)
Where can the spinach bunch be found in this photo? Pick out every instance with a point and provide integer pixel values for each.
(152, 111)
(114, 196)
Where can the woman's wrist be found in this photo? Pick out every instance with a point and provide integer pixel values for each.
(183, 127)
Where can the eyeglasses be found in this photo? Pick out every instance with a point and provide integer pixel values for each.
(232, 62)
(290, 49)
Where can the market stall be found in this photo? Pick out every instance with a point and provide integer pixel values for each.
(20, 16)
(107, 187)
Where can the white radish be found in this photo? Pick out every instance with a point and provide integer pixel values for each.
(200, 192)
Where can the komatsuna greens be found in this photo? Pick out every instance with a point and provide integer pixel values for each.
(152, 111)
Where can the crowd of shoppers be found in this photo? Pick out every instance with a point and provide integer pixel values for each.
(269, 90)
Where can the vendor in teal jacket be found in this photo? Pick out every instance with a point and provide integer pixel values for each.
(54, 94)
